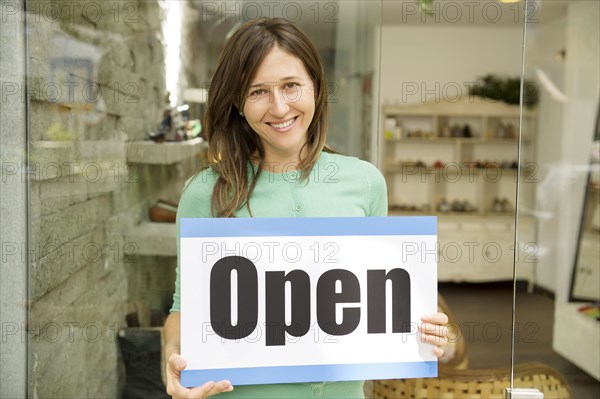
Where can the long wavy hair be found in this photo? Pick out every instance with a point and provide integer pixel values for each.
(231, 141)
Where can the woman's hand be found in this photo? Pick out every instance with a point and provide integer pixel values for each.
(175, 365)
(434, 331)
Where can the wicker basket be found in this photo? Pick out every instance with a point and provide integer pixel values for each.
(476, 384)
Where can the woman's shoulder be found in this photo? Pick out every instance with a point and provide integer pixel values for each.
(349, 165)
(197, 193)
(202, 181)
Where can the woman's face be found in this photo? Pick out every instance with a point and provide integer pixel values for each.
(280, 105)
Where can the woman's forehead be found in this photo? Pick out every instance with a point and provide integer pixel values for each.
(279, 65)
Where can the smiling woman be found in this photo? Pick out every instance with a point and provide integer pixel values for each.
(268, 74)
(266, 122)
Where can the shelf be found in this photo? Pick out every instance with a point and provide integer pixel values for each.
(502, 215)
(577, 337)
(453, 140)
(153, 239)
(430, 170)
(149, 152)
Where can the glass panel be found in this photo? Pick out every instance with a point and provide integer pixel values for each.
(115, 94)
(558, 229)
(450, 91)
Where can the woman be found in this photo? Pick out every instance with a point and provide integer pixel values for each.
(266, 126)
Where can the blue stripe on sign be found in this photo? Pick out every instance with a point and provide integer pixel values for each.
(329, 372)
(282, 227)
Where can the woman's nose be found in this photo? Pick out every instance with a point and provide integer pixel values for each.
(279, 104)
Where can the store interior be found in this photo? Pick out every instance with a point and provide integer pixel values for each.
(485, 114)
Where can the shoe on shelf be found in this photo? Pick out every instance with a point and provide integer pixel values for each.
(163, 211)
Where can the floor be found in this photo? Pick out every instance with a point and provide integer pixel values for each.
(484, 313)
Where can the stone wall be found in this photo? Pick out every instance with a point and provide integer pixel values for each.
(96, 82)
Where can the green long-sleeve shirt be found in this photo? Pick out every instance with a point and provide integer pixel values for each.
(338, 186)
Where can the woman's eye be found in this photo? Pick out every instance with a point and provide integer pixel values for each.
(291, 85)
(257, 93)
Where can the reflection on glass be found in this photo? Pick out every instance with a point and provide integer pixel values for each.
(116, 92)
(562, 54)
(585, 283)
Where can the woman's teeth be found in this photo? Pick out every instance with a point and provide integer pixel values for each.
(283, 124)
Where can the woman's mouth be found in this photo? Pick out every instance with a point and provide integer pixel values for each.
(281, 126)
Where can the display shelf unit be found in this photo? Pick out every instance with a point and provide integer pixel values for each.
(458, 161)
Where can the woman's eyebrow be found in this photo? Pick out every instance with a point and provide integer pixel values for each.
(274, 83)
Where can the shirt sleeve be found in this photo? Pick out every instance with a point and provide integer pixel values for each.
(194, 203)
(377, 199)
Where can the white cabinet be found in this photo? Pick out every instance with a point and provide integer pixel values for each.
(459, 161)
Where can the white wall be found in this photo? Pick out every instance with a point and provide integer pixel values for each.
(544, 41)
(565, 135)
(446, 55)
(582, 83)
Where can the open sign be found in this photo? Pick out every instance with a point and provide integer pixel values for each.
(306, 299)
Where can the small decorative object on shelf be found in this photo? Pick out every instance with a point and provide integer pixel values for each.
(409, 208)
(501, 205)
(163, 211)
(456, 131)
(444, 206)
(445, 131)
(591, 310)
(511, 131)
(501, 131)
(466, 132)
(176, 125)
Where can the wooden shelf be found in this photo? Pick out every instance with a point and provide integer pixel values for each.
(429, 169)
(452, 214)
(153, 239)
(453, 140)
(577, 337)
(149, 152)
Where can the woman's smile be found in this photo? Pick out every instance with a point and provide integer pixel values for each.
(283, 126)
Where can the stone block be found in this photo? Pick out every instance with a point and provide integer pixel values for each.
(153, 238)
(152, 281)
(150, 15)
(72, 222)
(137, 127)
(149, 152)
(56, 263)
(52, 306)
(52, 122)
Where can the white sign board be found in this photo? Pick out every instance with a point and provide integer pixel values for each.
(306, 299)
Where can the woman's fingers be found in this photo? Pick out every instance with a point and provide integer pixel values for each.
(434, 331)
(175, 365)
(221, 386)
(436, 318)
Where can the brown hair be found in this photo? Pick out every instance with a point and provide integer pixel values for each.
(231, 140)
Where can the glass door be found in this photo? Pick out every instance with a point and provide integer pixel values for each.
(101, 117)
(561, 61)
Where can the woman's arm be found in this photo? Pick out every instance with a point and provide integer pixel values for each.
(175, 364)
